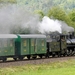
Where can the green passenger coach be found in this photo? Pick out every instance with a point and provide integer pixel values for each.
(31, 45)
(7, 46)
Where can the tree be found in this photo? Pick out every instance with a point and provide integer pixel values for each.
(72, 15)
(60, 14)
(57, 13)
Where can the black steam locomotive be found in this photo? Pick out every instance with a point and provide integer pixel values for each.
(61, 44)
(71, 43)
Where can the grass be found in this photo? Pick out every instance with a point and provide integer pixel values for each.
(55, 68)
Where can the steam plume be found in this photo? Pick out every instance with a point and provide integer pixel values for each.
(49, 25)
(15, 19)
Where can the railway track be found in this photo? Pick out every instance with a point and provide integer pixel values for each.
(36, 61)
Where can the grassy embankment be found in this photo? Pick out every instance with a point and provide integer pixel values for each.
(55, 68)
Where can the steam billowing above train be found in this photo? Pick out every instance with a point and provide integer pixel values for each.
(49, 25)
(14, 19)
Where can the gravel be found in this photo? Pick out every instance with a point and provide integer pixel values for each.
(35, 62)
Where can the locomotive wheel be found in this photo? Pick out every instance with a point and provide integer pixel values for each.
(28, 56)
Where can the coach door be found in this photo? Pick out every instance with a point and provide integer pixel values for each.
(33, 46)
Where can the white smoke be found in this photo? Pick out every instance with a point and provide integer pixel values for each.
(16, 19)
(65, 27)
(48, 25)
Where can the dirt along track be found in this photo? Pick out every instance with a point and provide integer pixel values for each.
(36, 61)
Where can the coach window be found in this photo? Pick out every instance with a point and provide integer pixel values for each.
(0, 43)
(4, 43)
(32, 43)
(42, 42)
(11, 43)
(24, 43)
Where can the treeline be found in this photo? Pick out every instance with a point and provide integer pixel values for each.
(8, 1)
(43, 5)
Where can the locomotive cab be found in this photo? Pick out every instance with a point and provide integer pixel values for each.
(53, 45)
(63, 45)
(56, 45)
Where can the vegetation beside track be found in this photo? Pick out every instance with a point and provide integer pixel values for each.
(55, 68)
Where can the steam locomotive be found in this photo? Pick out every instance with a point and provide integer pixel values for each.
(35, 45)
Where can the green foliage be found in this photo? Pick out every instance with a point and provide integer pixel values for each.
(60, 14)
(57, 13)
(66, 67)
(72, 15)
(8, 1)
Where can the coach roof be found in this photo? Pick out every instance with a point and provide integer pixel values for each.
(32, 36)
(8, 36)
